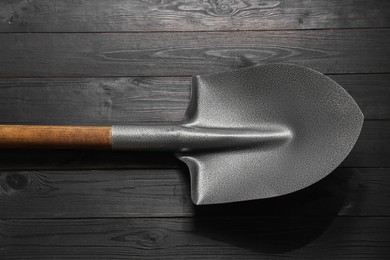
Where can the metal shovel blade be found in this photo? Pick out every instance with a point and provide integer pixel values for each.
(293, 125)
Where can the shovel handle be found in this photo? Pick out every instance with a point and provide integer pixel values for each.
(55, 137)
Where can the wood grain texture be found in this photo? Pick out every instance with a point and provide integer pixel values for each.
(371, 92)
(184, 15)
(373, 146)
(174, 54)
(166, 193)
(30, 159)
(106, 101)
(205, 238)
(94, 101)
(55, 137)
(116, 61)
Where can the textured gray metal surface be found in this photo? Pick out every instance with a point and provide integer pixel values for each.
(257, 132)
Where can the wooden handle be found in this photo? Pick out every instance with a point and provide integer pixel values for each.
(55, 137)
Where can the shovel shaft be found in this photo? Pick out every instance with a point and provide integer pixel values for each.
(55, 137)
(177, 138)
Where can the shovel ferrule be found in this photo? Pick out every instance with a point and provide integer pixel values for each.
(182, 138)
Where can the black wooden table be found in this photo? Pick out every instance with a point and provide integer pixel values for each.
(105, 62)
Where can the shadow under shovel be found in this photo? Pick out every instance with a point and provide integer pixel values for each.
(276, 225)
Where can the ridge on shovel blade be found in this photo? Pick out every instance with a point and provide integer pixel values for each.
(307, 124)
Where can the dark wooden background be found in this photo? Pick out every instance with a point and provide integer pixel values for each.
(102, 62)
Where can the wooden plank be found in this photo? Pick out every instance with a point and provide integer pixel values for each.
(95, 101)
(371, 92)
(88, 159)
(163, 193)
(175, 54)
(106, 101)
(197, 238)
(94, 193)
(183, 15)
(373, 146)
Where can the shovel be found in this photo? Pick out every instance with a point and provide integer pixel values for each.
(253, 133)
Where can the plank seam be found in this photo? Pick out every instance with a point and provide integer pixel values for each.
(206, 31)
(162, 76)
